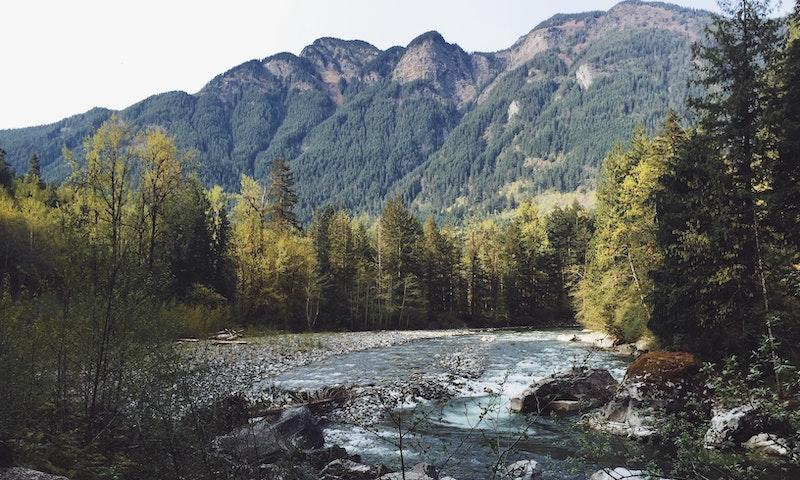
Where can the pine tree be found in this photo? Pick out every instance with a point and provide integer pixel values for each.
(6, 173)
(569, 231)
(400, 262)
(35, 171)
(438, 270)
(281, 196)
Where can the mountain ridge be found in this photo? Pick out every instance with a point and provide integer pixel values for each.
(358, 123)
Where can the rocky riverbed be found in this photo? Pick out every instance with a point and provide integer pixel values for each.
(250, 369)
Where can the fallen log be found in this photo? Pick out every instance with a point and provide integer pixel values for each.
(229, 342)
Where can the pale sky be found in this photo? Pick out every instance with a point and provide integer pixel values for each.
(59, 58)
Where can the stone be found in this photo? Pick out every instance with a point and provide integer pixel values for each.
(628, 414)
(771, 445)
(654, 383)
(590, 387)
(523, 470)
(734, 426)
(426, 469)
(297, 429)
(621, 473)
(19, 473)
(662, 368)
(408, 476)
(420, 471)
(344, 469)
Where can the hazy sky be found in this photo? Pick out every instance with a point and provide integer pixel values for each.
(58, 58)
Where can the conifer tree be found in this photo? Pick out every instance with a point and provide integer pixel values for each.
(281, 196)
(35, 171)
(400, 262)
(6, 174)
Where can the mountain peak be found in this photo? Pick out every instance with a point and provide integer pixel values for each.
(429, 57)
(428, 37)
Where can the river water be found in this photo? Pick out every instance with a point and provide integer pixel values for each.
(464, 434)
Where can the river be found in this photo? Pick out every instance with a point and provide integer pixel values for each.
(464, 433)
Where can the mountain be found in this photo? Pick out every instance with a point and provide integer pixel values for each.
(447, 129)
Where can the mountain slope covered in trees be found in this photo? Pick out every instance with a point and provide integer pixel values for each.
(446, 129)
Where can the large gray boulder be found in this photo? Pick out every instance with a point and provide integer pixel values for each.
(19, 473)
(630, 413)
(657, 383)
(772, 445)
(297, 429)
(732, 427)
(589, 387)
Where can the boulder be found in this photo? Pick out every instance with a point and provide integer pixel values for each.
(771, 445)
(344, 469)
(620, 473)
(663, 368)
(655, 383)
(19, 473)
(629, 414)
(734, 426)
(523, 470)
(297, 429)
(420, 471)
(589, 387)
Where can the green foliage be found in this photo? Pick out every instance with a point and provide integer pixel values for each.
(614, 294)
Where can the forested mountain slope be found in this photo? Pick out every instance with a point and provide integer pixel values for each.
(445, 128)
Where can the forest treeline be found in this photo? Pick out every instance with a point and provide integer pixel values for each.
(136, 218)
(697, 228)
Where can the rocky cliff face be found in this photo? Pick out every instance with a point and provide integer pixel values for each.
(449, 129)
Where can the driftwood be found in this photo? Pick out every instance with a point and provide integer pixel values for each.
(226, 335)
(184, 340)
(229, 342)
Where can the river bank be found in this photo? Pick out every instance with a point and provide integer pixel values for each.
(249, 369)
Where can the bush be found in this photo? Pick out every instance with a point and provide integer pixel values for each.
(196, 321)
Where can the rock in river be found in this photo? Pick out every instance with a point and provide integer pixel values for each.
(589, 387)
(654, 384)
(297, 429)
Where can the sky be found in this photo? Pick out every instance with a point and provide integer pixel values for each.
(60, 58)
